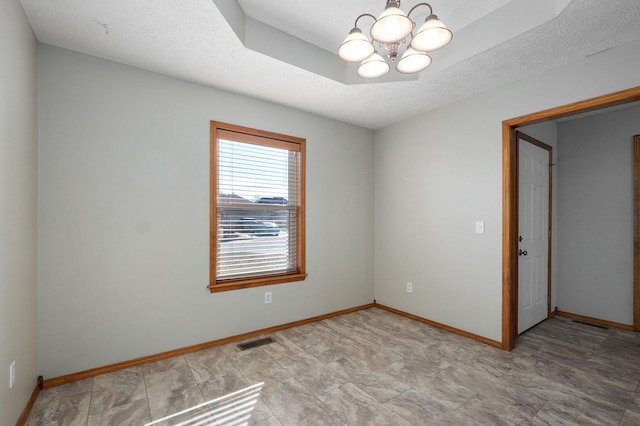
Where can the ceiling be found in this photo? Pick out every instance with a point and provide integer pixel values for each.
(284, 51)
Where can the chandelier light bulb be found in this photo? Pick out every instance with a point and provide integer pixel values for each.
(356, 47)
(413, 61)
(432, 35)
(373, 67)
(392, 26)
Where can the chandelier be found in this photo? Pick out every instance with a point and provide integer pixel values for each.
(390, 30)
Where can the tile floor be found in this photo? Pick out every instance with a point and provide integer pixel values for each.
(371, 367)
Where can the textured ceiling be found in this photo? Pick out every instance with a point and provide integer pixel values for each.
(213, 42)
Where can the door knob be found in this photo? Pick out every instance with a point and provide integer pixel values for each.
(521, 253)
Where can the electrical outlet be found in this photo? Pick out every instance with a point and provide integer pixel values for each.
(267, 297)
(409, 287)
(12, 374)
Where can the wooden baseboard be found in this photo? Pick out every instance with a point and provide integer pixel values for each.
(194, 348)
(442, 326)
(553, 313)
(32, 400)
(595, 320)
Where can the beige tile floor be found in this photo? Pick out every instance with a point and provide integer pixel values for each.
(371, 367)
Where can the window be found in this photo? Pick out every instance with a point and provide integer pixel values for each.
(257, 234)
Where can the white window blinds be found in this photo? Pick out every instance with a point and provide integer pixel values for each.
(257, 206)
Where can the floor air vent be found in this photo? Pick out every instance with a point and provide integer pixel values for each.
(255, 343)
(591, 324)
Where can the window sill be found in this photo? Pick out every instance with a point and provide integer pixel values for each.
(254, 282)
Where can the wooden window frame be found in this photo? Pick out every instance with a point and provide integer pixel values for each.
(260, 137)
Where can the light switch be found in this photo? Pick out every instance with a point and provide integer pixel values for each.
(480, 227)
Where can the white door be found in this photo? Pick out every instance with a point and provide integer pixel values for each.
(533, 224)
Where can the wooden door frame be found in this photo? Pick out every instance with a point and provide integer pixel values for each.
(636, 233)
(510, 205)
(533, 141)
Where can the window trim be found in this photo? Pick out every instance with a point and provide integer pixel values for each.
(246, 134)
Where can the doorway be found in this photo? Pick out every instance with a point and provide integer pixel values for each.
(510, 206)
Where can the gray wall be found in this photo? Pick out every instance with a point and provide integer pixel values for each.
(18, 196)
(124, 214)
(437, 173)
(595, 205)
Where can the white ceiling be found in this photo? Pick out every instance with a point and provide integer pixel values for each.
(291, 60)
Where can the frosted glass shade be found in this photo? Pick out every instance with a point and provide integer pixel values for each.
(432, 35)
(413, 61)
(392, 26)
(373, 67)
(356, 47)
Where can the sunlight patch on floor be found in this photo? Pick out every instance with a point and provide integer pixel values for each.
(233, 409)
